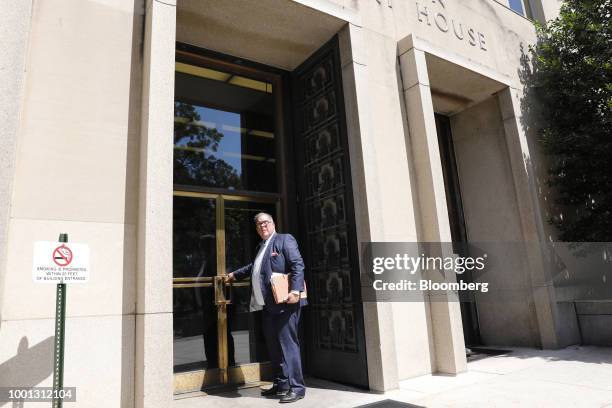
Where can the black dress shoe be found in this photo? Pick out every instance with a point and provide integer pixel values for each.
(274, 391)
(291, 396)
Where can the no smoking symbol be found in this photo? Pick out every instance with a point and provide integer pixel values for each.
(62, 256)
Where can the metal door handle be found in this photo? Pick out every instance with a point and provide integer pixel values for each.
(230, 286)
(221, 283)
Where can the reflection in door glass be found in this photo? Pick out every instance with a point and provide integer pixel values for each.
(194, 241)
(241, 241)
(224, 138)
(223, 131)
(195, 256)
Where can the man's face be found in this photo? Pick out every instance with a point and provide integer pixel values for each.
(265, 227)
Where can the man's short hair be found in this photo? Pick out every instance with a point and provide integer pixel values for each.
(261, 214)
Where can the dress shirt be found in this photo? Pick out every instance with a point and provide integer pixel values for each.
(257, 299)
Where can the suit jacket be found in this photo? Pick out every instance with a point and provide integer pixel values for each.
(283, 256)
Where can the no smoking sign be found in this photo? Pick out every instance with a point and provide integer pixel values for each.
(58, 262)
(62, 256)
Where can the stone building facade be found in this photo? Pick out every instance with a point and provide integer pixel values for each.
(357, 95)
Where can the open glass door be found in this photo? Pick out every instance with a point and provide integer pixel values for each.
(217, 341)
(225, 172)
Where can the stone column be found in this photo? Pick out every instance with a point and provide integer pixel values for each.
(523, 175)
(378, 317)
(154, 372)
(446, 323)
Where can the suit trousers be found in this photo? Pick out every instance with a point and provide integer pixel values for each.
(281, 334)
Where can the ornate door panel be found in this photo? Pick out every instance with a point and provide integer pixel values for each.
(334, 335)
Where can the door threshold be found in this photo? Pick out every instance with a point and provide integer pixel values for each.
(218, 389)
(244, 375)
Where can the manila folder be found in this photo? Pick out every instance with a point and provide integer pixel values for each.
(280, 287)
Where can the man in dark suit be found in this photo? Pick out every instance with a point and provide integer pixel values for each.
(278, 253)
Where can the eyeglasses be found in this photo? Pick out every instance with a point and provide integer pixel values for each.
(263, 223)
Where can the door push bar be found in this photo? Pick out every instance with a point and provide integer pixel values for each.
(221, 296)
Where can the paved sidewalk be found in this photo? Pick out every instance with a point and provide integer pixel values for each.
(572, 377)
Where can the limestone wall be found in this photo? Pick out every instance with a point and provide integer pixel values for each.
(76, 172)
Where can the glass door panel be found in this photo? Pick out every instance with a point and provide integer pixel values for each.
(195, 265)
(225, 171)
(224, 133)
(241, 241)
(213, 327)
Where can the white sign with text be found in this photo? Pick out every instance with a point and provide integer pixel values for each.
(60, 262)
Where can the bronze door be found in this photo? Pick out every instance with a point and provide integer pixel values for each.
(335, 345)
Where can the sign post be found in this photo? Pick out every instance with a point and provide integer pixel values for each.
(60, 263)
(60, 324)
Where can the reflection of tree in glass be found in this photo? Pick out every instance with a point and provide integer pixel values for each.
(193, 163)
(238, 227)
(194, 255)
(194, 237)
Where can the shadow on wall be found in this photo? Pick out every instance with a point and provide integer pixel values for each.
(530, 113)
(581, 272)
(566, 113)
(29, 367)
(539, 162)
(541, 166)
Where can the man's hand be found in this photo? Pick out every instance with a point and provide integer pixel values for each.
(231, 277)
(293, 298)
